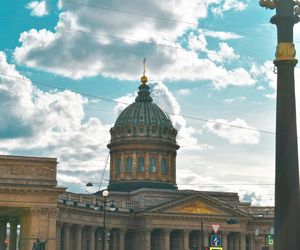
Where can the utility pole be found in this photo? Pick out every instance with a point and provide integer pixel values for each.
(286, 228)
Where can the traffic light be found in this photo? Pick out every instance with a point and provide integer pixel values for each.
(270, 239)
(233, 221)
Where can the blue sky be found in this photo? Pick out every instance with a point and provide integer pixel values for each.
(68, 68)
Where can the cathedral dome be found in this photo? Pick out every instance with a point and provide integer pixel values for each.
(143, 118)
(143, 146)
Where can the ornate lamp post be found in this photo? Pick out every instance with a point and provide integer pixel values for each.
(105, 236)
(286, 229)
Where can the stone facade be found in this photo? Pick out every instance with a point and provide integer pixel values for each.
(146, 218)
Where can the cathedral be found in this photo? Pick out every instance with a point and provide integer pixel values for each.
(141, 209)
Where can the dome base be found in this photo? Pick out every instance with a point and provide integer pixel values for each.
(127, 186)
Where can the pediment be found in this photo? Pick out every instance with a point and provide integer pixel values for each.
(196, 207)
(197, 203)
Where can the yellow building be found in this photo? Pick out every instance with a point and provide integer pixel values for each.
(142, 208)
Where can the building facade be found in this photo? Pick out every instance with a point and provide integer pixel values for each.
(143, 208)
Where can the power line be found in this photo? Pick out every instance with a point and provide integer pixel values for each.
(111, 100)
(159, 18)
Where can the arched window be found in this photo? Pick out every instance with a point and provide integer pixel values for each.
(128, 165)
(163, 167)
(152, 165)
(119, 166)
(141, 164)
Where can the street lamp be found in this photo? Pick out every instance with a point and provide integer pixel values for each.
(286, 224)
(105, 236)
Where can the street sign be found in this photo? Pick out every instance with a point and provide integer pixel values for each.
(215, 240)
(216, 227)
(215, 248)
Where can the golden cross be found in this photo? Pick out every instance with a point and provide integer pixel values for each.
(144, 63)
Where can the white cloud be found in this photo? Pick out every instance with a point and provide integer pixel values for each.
(87, 43)
(184, 92)
(238, 131)
(264, 73)
(225, 53)
(49, 123)
(222, 35)
(237, 99)
(236, 5)
(38, 8)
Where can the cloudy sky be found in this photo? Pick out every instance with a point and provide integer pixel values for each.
(69, 67)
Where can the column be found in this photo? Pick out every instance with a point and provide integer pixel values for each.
(66, 237)
(3, 224)
(146, 239)
(224, 240)
(242, 241)
(78, 232)
(134, 165)
(121, 234)
(186, 239)
(58, 235)
(206, 243)
(166, 239)
(13, 234)
(92, 237)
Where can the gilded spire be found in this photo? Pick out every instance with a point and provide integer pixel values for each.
(144, 78)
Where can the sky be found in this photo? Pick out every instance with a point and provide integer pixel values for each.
(69, 67)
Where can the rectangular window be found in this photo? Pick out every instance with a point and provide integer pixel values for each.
(128, 165)
(163, 166)
(152, 165)
(119, 166)
(141, 165)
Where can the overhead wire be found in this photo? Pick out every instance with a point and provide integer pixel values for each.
(119, 102)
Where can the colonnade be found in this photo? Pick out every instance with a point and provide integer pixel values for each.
(80, 237)
(8, 233)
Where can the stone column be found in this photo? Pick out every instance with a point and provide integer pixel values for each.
(242, 241)
(78, 232)
(166, 239)
(58, 235)
(147, 165)
(121, 242)
(92, 231)
(123, 164)
(186, 239)
(224, 240)
(13, 234)
(3, 224)
(206, 242)
(146, 239)
(134, 165)
(66, 237)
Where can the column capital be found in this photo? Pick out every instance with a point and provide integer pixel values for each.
(79, 226)
(167, 230)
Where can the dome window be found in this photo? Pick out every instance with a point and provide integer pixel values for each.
(141, 130)
(165, 131)
(119, 166)
(141, 117)
(128, 165)
(129, 130)
(153, 162)
(153, 130)
(141, 164)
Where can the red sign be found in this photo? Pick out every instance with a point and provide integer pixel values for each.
(5, 242)
(216, 227)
